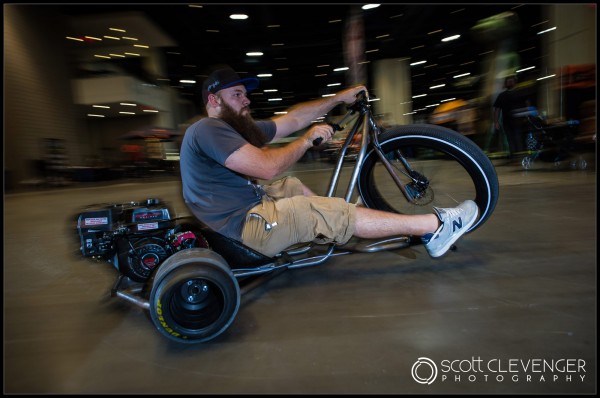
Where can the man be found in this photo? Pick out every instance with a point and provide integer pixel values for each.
(224, 155)
(505, 104)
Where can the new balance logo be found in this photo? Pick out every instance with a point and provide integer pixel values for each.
(457, 224)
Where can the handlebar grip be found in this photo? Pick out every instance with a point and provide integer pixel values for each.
(335, 126)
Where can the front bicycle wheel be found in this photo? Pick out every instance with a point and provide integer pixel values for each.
(450, 169)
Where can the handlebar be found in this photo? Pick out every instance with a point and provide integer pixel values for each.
(361, 97)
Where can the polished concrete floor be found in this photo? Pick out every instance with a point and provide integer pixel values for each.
(513, 310)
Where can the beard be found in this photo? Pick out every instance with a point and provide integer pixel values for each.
(243, 124)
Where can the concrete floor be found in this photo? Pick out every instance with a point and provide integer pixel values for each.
(518, 293)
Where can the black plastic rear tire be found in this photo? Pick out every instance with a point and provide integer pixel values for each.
(194, 296)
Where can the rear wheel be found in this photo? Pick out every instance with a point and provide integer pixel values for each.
(450, 168)
(194, 296)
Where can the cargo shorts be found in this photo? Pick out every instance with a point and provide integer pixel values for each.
(286, 217)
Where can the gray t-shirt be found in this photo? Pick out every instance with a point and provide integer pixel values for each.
(216, 195)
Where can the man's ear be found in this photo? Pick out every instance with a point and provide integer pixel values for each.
(214, 100)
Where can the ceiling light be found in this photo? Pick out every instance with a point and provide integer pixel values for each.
(545, 77)
(370, 6)
(462, 75)
(524, 69)
(546, 31)
(254, 54)
(238, 16)
(450, 38)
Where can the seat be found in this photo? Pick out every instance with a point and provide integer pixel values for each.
(234, 252)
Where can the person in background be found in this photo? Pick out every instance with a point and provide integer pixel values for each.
(223, 157)
(505, 104)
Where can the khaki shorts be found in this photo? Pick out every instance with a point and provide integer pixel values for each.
(286, 217)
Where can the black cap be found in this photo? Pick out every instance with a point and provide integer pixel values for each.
(224, 78)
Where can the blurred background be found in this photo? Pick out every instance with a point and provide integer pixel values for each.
(103, 92)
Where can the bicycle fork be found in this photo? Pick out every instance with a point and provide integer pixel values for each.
(411, 191)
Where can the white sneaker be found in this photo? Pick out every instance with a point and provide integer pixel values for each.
(455, 222)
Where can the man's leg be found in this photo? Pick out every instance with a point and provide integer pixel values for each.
(371, 223)
(307, 191)
(287, 187)
(438, 231)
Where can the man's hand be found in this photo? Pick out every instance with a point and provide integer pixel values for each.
(321, 130)
(348, 95)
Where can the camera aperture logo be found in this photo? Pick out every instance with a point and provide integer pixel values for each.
(424, 371)
(476, 369)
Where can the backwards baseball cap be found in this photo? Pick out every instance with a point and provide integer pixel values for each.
(224, 78)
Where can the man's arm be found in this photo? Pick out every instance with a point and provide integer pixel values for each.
(268, 162)
(301, 115)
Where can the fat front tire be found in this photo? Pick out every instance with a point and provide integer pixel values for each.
(454, 167)
(194, 296)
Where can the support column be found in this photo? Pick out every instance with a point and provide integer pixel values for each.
(392, 85)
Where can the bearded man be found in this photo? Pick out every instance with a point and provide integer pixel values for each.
(224, 155)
